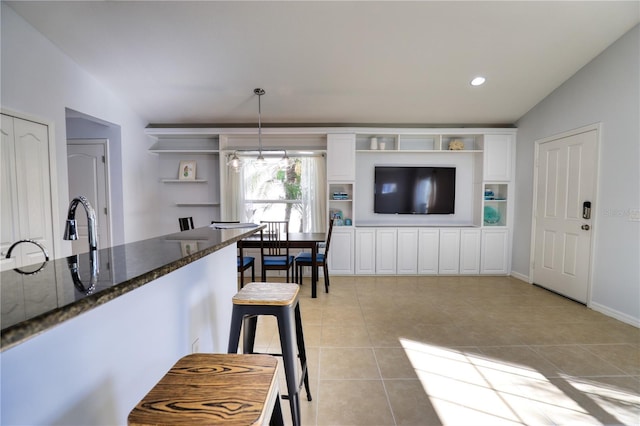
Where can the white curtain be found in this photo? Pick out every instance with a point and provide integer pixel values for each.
(233, 196)
(314, 193)
(312, 181)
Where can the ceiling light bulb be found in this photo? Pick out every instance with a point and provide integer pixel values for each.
(234, 162)
(478, 81)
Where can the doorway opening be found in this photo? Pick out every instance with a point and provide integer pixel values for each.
(85, 132)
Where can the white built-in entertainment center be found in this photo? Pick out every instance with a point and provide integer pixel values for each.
(475, 240)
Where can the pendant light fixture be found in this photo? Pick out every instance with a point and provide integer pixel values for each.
(235, 162)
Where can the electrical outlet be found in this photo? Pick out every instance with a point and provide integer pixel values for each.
(195, 346)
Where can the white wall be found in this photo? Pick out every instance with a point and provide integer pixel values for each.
(607, 90)
(40, 81)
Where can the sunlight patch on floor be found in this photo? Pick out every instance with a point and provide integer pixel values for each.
(469, 388)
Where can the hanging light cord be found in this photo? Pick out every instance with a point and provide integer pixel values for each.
(258, 91)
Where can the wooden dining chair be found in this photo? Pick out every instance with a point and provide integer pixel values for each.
(244, 262)
(304, 259)
(274, 247)
(186, 223)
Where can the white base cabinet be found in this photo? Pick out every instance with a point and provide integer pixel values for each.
(428, 251)
(341, 251)
(365, 251)
(470, 251)
(386, 251)
(407, 258)
(449, 257)
(495, 252)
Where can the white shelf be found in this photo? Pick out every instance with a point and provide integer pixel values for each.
(187, 146)
(498, 204)
(401, 151)
(184, 151)
(183, 181)
(197, 204)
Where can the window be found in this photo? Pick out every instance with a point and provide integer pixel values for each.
(277, 190)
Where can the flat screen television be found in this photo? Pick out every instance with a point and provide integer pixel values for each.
(414, 190)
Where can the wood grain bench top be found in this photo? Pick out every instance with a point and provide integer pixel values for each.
(212, 389)
(274, 294)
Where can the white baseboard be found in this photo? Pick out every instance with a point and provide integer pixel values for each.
(628, 319)
(520, 276)
(615, 314)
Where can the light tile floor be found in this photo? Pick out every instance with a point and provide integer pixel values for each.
(461, 351)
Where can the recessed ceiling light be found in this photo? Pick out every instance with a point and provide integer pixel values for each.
(478, 81)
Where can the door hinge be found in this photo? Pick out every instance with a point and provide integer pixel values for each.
(104, 160)
(105, 210)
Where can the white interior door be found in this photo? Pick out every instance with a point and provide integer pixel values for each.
(566, 180)
(26, 191)
(87, 169)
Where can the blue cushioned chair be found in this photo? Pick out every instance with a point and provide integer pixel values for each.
(244, 262)
(274, 242)
(304, 259)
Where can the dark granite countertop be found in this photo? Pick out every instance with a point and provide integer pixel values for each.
(34, 303)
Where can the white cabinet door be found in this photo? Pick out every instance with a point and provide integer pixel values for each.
(10, 231)
(428, 251)
(386, 242)
(341, 157)
(30, 195)
(449, 261)
(407, 262)
(365, 251)
(469, 251)
(498, 155)
(495, 252)
(34, 187)
(341, 251)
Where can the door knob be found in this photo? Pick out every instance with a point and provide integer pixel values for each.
(585, 227)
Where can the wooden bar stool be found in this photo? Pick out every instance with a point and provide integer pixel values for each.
(207, 389)
(281, 301)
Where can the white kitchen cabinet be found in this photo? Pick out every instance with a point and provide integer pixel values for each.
(341, 157)
(428, 251)
(341, 251)
(449, 251)
(407, 259)
(386, 252)
(494, 256)
(469, 251)
(365, 251)
(26, 191)
(498, 155)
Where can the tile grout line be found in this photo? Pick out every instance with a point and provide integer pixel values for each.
(375, 357)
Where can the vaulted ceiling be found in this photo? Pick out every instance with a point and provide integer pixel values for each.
(331, 62)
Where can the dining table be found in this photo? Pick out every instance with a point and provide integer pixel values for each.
(296, 240)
